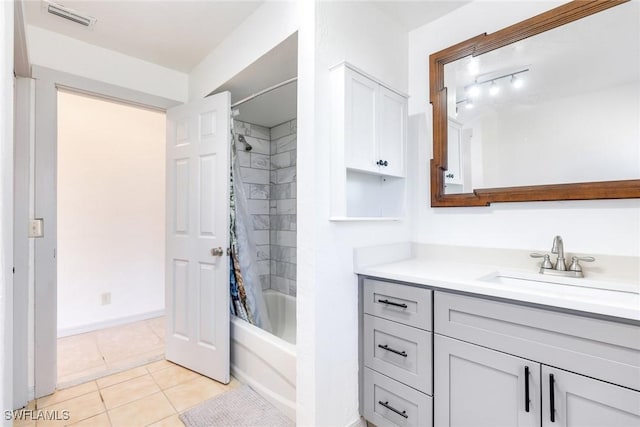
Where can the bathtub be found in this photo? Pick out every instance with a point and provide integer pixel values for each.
(265, 361)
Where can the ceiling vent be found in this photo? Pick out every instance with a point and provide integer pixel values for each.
(70, 14)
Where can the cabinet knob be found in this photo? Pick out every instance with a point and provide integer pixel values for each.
(382, 163)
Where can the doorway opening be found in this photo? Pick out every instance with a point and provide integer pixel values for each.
(111, 236)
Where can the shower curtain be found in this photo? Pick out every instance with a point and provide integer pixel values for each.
(247, 301)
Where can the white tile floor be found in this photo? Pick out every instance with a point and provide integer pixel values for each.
(151, 395)
(95, 354)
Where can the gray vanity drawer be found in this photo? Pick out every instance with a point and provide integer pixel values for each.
(383, 340)
(401, 303)
(598, 348)
(413, 408)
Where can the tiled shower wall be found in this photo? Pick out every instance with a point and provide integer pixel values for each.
(283, 207)
(254, 168)
(269, 176)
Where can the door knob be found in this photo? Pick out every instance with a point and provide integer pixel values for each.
(217, 251)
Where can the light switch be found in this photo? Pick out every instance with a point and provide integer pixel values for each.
(36, 227)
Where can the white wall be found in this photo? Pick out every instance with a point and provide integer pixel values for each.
(62, 53)
(596, 227)
(6, 209)
(111, 210)
(327, 341)
(265, 28)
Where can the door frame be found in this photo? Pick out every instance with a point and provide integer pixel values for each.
(47, 83)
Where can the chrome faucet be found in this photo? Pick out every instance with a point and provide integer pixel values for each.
(560, 267)
(558, 248)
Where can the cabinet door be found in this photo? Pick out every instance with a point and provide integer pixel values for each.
(475, 386)
(453, 175)
(579, 401)
(391, 131)
(360, 122)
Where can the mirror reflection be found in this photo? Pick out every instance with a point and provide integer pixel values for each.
(559, 107)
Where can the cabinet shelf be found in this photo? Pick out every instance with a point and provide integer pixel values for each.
(376, 173)
(364, 218)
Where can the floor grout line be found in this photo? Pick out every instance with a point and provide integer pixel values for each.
(147, 358)
(91, 340)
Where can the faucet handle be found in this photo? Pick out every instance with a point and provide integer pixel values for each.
(546, 262)
(575, 262)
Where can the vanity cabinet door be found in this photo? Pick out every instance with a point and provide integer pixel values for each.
(579, 401)
(475, 386)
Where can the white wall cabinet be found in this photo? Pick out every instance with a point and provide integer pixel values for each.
(375, 123)
(368, 137)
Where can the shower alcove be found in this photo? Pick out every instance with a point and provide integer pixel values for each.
(264, 128)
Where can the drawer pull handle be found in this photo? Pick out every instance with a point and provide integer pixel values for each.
(395, 304)
(391, 408)
(552, 399)
(526, 388)
(386, 347)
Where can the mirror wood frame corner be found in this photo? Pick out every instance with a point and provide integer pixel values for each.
(483, 43)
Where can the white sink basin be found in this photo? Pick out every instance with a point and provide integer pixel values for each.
(568, 287)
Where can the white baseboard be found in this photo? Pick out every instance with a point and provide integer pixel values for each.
(108, 323)
(358, 422)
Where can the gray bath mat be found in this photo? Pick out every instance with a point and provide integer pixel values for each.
(239, 407)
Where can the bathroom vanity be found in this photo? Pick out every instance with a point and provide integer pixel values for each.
(445, 343)
(469, 337)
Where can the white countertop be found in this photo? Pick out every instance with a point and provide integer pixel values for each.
(614, 298)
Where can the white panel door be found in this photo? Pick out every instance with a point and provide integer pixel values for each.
(197, 271)
(478, 387)
(579, 401)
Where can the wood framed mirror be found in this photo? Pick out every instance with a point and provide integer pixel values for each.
(579, 116)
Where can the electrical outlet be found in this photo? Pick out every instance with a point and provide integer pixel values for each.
(106, 298)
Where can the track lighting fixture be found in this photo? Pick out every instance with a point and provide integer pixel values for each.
(494, 89)
(474, 90)
(516, 81)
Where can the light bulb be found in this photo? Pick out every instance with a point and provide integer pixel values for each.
(494, 89)
(474, 90)
(516, 81)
